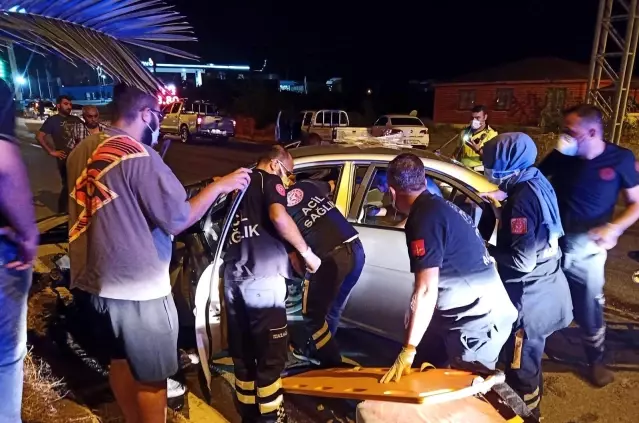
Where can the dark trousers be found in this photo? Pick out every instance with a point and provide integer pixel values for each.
(335, 313)
(63, 199)
(583, 264)
(258, 344)
(321, 290)
(526, 378)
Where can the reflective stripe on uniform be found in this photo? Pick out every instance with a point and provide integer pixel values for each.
(597, 339)
(245, 399)
(320, 332)
(534, 397)
(269, 390)
(305, 295)
(247, 386)
(269, 407)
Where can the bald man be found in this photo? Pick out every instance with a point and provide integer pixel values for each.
(89, 126)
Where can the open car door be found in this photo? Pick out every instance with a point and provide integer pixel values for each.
(210, 332)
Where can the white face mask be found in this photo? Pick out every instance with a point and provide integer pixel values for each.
(475, 124)
(567, 145)
(499, 178)
(155, 135)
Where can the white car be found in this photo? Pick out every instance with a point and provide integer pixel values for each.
(414, 130)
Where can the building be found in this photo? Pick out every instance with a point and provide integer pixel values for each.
(529, 92)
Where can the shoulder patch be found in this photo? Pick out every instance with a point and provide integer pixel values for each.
(280, 189)
(294, 197)
(519, 226)
(607, 173)
(418, 248)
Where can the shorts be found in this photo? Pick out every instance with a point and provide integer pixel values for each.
(144, 333)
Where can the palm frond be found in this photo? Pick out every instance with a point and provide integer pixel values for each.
(97, 32)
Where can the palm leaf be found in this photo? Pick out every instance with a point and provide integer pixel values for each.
(97, 32)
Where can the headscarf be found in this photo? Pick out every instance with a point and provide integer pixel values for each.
(509, 159)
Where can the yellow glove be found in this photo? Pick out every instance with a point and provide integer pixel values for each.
(401, 366)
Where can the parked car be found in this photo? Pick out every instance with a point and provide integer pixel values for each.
(412, 127)
(31, 110)
(185, 119)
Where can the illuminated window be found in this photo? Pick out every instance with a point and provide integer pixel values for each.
(503, 98)
(466, 99)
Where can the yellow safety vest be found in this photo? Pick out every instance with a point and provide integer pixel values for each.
(469, 157)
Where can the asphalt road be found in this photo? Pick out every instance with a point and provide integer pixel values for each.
(568, 398)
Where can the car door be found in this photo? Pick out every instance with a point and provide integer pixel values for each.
(379, 301)
(379, 126)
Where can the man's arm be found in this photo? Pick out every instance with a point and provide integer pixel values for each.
(631, 213)
(41, 136)
(422, 305)
(16, 202)
(519, 250)
(548, 164)
(286, 227)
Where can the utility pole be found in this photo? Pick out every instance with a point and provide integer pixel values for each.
(14, 70)
(39, 87)
(612, 63)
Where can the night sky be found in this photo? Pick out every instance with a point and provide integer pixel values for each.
(381, 40)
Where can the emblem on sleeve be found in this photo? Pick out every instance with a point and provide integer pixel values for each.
(294, 197)
(607, 173)
(518, 226)
(417, 248)
(280, 189)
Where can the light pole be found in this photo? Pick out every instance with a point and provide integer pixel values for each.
(19, 81)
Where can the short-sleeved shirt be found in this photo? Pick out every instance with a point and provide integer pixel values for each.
(3, 220)
(439, 234)
(126, 205)
(321, 224)
(587, 190)
(255, 248)
(469, 157)
(59, 128)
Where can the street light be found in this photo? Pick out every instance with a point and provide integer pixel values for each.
(20, 80)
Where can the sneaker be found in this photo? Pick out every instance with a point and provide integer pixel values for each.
(174, 388)
(600, 375)
(300, 355)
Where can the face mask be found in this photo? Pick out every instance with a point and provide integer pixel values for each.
(475, 124)
(151, 136)
(286, 181)
(499, 178)
(567, 145)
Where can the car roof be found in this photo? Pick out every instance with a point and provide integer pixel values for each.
(327, 153)
(402, 116)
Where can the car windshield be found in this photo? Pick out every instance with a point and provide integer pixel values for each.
(406, 121)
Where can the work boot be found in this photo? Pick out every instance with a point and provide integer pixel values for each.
(600, 375)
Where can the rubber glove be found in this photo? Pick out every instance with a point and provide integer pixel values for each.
(402, 365)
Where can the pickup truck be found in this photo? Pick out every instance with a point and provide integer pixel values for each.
(185, 119)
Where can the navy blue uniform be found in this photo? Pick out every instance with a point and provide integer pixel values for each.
(528, 262)
(587, 191)
(256, 263)
(472, 305)
(335, 241)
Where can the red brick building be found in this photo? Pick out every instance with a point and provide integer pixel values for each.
(518, 93)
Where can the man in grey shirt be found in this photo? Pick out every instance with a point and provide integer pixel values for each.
(128, 203)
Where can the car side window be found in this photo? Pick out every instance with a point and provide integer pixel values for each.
(377, 205)
(381, 121)
(308, 119)
(360, 172)
(327, 173)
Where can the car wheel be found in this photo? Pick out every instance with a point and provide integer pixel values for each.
(185, 135)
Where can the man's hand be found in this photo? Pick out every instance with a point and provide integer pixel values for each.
(296, 262)
(606, 236)
(312, 261)
(402, 365)
(27, 249)
(58, 154)
(239, 179)
(495, 196)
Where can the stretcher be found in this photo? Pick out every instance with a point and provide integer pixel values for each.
(424, 395)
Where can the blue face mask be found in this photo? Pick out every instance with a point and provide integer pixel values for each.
(499, 178)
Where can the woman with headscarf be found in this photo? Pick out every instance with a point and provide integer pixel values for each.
(528, 259)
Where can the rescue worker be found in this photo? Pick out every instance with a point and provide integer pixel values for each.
(337, 244)
(528, 259)
(473, 138)
(588, 173)
(255, 266)
(454, 275)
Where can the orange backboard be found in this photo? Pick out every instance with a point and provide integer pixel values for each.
(362, 383)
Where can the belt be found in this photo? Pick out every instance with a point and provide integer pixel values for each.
(343, 244)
